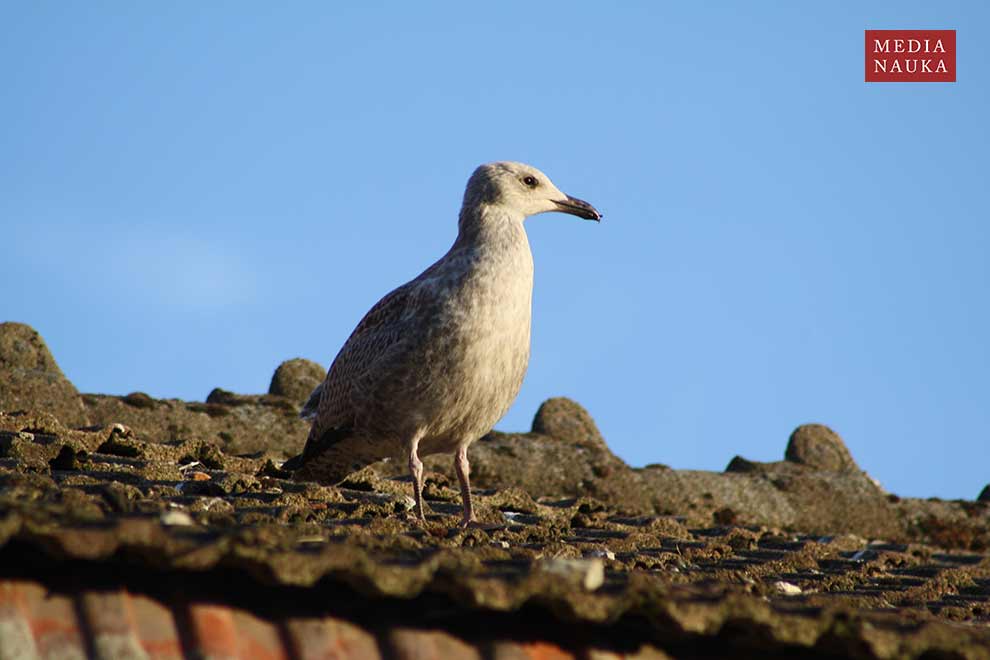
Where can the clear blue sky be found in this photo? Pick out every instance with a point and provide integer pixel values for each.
(191, 193)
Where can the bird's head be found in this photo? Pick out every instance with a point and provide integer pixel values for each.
(522, 190)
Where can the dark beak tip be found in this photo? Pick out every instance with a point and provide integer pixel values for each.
(580, 208)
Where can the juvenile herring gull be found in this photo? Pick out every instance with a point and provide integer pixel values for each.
(439, 360)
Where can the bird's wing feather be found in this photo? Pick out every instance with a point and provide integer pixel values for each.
(373, 360)
(364, 359)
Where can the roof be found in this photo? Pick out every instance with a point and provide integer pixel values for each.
(114, 540)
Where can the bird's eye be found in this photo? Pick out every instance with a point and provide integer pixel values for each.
(530, 181)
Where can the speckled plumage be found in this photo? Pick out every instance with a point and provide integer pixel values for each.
(439, 360)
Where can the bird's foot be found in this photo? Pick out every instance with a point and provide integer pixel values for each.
(416, 512)
(469, 523)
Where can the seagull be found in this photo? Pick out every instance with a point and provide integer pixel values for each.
(438, 361)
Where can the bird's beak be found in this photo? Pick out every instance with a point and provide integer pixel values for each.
(578, 207)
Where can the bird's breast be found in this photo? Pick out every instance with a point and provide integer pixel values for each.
(483, 343)
(492, 314)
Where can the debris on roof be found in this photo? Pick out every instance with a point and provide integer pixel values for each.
(165, 528)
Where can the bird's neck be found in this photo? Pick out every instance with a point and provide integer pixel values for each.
(489, 224)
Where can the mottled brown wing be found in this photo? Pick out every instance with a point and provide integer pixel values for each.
(364, 357)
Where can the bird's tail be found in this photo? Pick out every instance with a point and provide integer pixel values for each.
(293, 463)
(312, 403)
(331, 457)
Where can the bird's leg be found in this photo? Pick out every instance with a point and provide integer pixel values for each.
(416, 470)
(463, 475)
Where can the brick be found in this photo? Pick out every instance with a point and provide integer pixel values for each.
(506, 650)
(415, 644)
(108, 617)
(16, 640)
(54, 623)
(156, 628)
(257, 638)
(331, 639)
(224, 633)
(213, 633)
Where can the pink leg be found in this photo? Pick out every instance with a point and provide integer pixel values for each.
(416, 470)
(463, 475)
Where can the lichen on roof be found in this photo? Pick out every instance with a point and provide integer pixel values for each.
(804, 554)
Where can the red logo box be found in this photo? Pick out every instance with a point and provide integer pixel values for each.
(910, 56)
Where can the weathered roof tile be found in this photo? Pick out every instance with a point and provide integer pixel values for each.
(157, 540)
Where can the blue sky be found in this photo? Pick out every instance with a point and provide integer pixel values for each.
(191, 193)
